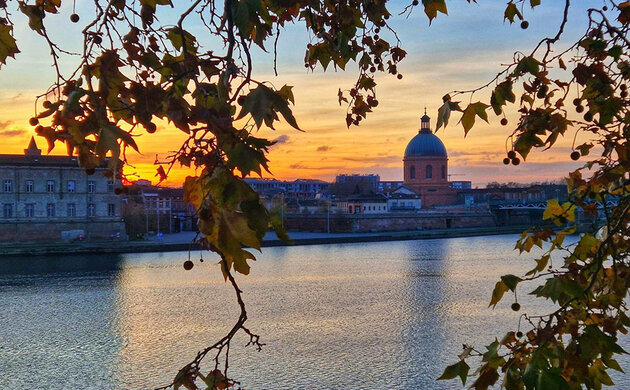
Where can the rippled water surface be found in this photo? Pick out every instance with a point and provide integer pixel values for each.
(350, 316)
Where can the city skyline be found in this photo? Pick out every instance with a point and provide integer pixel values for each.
(327, 147)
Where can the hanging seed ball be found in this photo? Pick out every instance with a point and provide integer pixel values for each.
(47, 104)
(577, 102)
(588, 117)
(74, 18)
(98, 40)
(511, 154)
(516, 306)
(604, 8)
(151, 127)
(33, 121)
(623, 87)
(415, 2)
(524, 24)
(624, 94)
(506, 161)
(579, 108)
(504, 122)
(516, 161)
(201, 260)
(188, 265)
(399, 76)
(372, 69)
(519, 334)
(575, 155)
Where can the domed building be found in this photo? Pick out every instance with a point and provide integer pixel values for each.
(426, 167)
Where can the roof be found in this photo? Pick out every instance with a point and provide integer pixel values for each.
(425, 143)
(32, 157)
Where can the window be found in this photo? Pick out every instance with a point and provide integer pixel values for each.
(72, 210)
(412, 172)
(50, 210)
(71, 185)
(29, 186)
(29, 210)
(443, 172)
(110, 186)
(50, 186)
(7, 210)
(91, 186)
(111, 210)
(91, 211)
(8, 185)
(429, 172)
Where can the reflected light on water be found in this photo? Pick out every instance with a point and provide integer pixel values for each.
(385, 315)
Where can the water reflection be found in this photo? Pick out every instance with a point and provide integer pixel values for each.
(348, 316)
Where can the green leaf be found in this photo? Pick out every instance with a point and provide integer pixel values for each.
(501, 94)
(511, 281)
(525, 142)
(8, 46)
(459, 369)
(527, 65)
(262, 103)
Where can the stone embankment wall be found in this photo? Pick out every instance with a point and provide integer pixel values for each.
(52, 232)
(389, 222)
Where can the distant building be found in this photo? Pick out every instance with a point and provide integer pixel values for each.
(403, 199)
(363, 204)
(149, 209)
(426, 167)
(51, 198)
(352, 185)
(300, 188)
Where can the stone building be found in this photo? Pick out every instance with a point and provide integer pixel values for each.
(50, 198)
(426, 167)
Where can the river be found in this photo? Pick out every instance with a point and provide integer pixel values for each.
(383, 315)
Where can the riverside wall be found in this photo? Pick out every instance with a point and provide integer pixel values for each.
(390, 222)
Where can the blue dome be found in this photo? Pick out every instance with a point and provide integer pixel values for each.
(425, 143)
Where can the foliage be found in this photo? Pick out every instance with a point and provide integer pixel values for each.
(135, 70)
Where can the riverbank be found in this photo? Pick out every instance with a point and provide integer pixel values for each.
(184, 241)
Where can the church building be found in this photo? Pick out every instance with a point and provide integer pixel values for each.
(426, 167)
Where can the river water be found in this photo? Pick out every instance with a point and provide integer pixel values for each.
(387, 315)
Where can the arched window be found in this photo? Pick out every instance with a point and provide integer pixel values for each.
(443, 172)
(429, 172)
(412, 172)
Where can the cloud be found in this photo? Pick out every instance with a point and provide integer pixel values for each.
(5, 124)
(17, 97)
(11, 133)
(283, 139)
(323, 148)
(298, 166)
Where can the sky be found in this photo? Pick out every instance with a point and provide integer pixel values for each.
(460, 51)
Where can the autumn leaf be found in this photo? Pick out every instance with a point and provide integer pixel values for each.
(8, 46)
(459, 369)
(473, 110)
(431, 8)
(511, 11)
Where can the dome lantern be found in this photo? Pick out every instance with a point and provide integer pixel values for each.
(425, 122)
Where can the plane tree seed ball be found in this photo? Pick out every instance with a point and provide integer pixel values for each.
(575, 155)
(524, 24)
(33, 121)
(188, 265)
(516, 161)
(511, 154)
(506, 161)
(516, 306)
(504, 122)
(74, 18)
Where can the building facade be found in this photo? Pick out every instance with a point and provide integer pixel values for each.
(51, 198)
(425, 167)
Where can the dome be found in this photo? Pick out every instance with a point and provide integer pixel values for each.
(425, 143)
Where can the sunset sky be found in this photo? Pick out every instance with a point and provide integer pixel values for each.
(459, 51)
